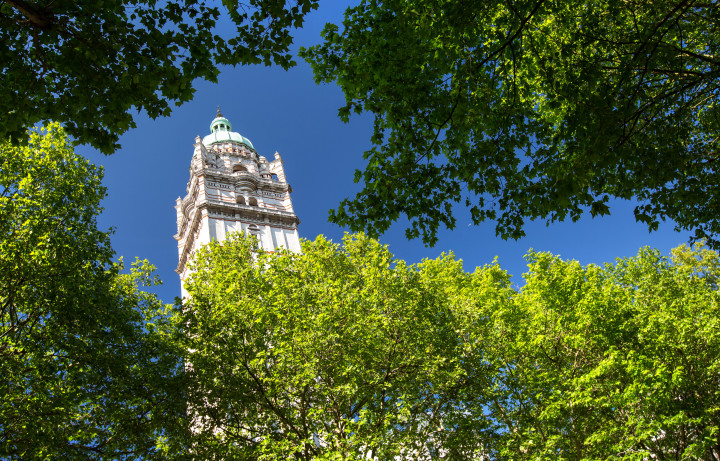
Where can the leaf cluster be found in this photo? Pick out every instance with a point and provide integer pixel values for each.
(88, 369)
(529, 109)
(90, 64)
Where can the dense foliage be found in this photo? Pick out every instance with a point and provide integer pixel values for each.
(90, 65)
(530, 109)
(86, 365)
(329, 352)
(343, 352)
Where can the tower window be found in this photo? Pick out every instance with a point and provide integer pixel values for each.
(238, 167)
(241, 200)
(253, 201)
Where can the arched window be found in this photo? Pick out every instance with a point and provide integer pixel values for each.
(252, 201)
(241, 200)
(274, 177)
(238, 167)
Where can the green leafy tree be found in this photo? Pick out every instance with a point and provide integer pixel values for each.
(87, 363)
(89, 65)
(335, 353)
(530, 109)
(613, 362)
(344, 353)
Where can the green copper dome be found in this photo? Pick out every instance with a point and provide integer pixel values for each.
(220, 131)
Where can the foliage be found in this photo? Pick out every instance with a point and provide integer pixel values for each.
(336, 353)
(530, 110)
(619, 362)
(88, 371)
(344, 353)
(89, 65)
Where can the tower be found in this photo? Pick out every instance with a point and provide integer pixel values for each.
(232, 188)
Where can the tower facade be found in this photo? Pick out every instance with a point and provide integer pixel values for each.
(232, 188)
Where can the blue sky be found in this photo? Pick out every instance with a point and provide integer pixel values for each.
(286, 111)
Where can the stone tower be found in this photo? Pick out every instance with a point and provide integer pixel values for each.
(232, 188)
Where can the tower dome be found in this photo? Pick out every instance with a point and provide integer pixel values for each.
(220, 131)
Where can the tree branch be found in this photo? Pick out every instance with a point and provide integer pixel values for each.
(34, 15)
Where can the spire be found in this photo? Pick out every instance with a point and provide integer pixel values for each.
(218, 113)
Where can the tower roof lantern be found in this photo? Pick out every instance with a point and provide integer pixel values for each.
(221, 131)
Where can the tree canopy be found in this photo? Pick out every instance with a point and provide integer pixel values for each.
(88, 367)
(90, 65)
(343, 352)
(329, 353)
(530, 109)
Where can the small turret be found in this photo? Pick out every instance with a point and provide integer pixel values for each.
(221, 132)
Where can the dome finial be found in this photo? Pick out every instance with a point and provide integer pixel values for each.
(218, 112)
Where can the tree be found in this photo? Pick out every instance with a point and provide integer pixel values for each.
(613, 362)
(89, 65)
(335, 353)
(88, 368)
(344, 353)
(530, 110)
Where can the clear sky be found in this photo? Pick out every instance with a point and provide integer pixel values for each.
(286, 111)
